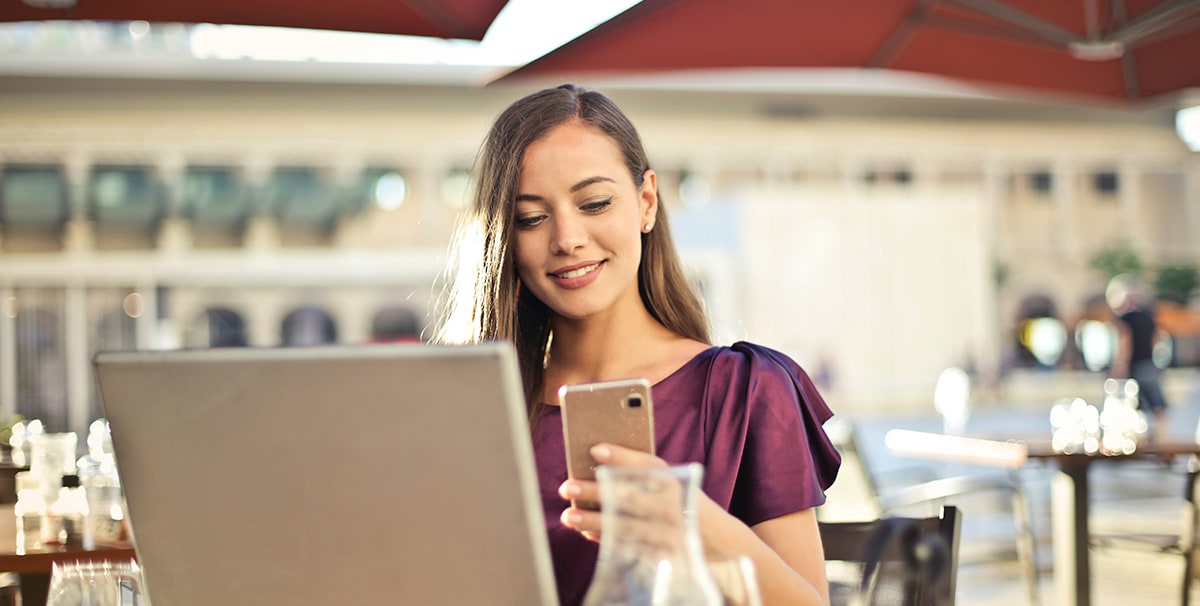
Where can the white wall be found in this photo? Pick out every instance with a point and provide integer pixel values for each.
(886, 287)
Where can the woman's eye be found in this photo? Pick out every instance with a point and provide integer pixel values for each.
(530, 221)
(597, 206)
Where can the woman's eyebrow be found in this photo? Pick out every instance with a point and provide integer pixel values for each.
(590, 181)
(574, 188)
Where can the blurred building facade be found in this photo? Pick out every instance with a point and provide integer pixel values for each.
(876, 240)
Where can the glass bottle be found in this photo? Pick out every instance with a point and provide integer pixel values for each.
(64, 523)
(29, 510)
(104, 523)
(650, 550)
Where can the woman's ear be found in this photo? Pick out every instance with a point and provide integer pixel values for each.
(649, 199)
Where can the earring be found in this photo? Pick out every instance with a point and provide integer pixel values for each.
(649, 226)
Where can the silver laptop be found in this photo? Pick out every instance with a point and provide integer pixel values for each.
(383, 474)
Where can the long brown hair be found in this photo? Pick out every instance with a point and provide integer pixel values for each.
(486, 301)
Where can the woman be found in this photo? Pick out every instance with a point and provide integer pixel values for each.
(567, 255)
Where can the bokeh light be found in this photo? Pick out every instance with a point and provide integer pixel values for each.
(390, 191)
(1045, 338)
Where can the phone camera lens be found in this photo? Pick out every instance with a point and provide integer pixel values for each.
(634, 402)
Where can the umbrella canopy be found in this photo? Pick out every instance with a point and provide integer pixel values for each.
(467, 19)
(1114, 49)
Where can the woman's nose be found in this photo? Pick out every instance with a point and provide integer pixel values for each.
(569, 234)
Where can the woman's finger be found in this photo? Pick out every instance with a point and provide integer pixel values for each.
(580, 491)
(580, 519)
(611, 454)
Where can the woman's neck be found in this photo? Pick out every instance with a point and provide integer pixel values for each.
(615, 346)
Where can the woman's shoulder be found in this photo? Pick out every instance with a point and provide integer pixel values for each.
(765, 374)
(752, 356)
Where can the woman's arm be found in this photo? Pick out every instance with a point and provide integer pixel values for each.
(788, 558)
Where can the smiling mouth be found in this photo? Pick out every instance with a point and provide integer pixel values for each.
(575, 273)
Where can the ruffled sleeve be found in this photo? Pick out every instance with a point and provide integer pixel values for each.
(767, 452)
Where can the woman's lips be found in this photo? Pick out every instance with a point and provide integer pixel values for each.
(579, 276)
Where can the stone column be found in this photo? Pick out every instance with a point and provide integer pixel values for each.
(262, 231)
(1191, 203)
(147, 322)
(1129, 203)
(351, 311)
(344, 177)
(425, 192)
(78, 232)
(79, 376)
(850, 171)
(1066, 243)
(263, 313)
(8, 351)
(925, 172)
(996, 179)
(174, 232)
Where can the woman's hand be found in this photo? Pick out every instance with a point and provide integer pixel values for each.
(587, 521)
(786, 551)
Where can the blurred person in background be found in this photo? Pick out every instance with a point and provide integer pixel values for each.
(1134, 355)
(566, 253)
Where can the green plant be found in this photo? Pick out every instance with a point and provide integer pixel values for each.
(1177, 282)
(1117, 259)
(6, 427)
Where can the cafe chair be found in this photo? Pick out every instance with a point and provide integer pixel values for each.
(893, 561)
(917, 491)
(1179, 540)
(10, 589)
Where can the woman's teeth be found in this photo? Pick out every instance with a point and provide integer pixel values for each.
(575, 273)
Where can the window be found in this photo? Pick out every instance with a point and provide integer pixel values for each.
(299, 199)
(33, 197)
(214, 197)
(124, 198)
(1106, 183)
(382, 187)
(217, 327)
(308, 325)
(395, 325)
(1041, 182)
(41, 356)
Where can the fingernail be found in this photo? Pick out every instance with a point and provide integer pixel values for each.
(600, 452)
(570, 489)
(570, 518)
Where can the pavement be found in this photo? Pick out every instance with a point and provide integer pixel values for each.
(1136, 497)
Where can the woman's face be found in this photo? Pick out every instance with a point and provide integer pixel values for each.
(579, 220)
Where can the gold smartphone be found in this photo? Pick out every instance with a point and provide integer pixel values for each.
(616, 412)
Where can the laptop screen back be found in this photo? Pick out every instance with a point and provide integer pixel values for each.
(398, 474)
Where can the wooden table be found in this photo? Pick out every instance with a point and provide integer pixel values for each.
(1069, 493)
(34, 565)
(1070, 499)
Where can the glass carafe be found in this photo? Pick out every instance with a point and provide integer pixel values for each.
(650, 551)
(96, 584)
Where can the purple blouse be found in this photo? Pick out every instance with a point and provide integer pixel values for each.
(749, 414)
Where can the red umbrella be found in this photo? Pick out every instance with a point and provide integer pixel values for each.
(1115, 49)
(468, 19)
